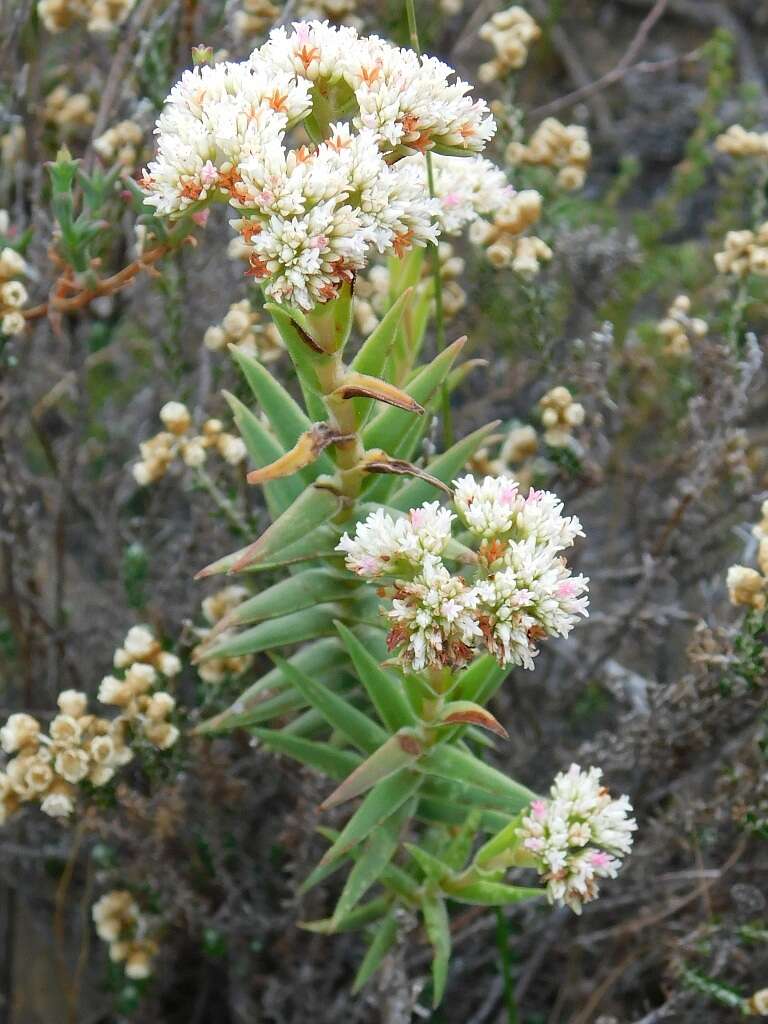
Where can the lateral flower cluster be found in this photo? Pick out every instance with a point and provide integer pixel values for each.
(746, 586)
(242, 327)
(565, 148)
(177, 442)
(13, 294)
(215, 608)
(312, 216)
(120, 923)
(520, 590)
(577, 836)
(679, 329)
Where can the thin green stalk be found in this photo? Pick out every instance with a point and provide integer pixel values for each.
(437, 277)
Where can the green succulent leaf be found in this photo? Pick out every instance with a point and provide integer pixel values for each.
(357, 727)
(383, 940)
(399, 751)
(383, 687)
(379, 804)
(358, 918)
(323, 757)
(434, 869)
(302, 359)
(311, 587)
(486, 893)
(376, 854)
(296, 627)
(438, 930)
(451, 763)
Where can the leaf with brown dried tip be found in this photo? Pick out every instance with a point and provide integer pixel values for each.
(399, 751)
(466, 712)
(377, 461)
(361, 385)
(307, 449)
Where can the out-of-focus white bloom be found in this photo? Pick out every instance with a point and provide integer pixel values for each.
(383, 545)
(58, 804)
(72, 702)
(737, 141)
(747, 586)
(511, 33)
(744, 252)
(577, 836)
(563, 147)
(120, 923)
(679, 329)
(21, 730)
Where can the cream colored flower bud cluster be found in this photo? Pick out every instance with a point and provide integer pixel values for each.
(121, 144)
(372, 290)
(503, 239)
(242, 327)
(12, 145)
(68, 112)
(120, 923)
(744, 252)
(737, 141)
(510, 33)
(253, 17)
(515, 451)
(679, 329)
(144, 708)
(559, 415)
(215, 607)
(46, 767)
(98, 15)
(564, 148)
(177, 442)
(757, 1004)
(13, 294)
(746, 586)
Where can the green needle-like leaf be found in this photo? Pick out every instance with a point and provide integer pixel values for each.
(438, 930)
(384, 938)
(358, 728)
(384, 688)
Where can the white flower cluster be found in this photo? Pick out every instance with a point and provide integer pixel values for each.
(242, 327)
(510, 33)
(737, 141)
(468, 189)
(82, 747)
(521, 592)
(577, 836)
(746, 586)
(559, 415)
(563, 147)
(120, 923)
(215, 608)
(312, 216)
(176, 441)
(13, 294)
(744, 252)
(98, 15)
(679, 328)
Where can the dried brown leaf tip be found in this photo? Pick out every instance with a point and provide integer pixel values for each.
(361, 385)
(306, 450)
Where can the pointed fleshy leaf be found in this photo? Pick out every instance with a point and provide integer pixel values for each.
(296, 627)
(383, 688)
(330, 323)
(286, 702)
(321, 756)
(357, 727)
(461, 844)
(263, 449)
(359, 917)
(392, 877)
(444, 467)
(434, 869)
(466, 712)
(480, 681)
(317, 543)
(319, 657)
(388, 426)
(311, 587)
(378, 805)
(372, 355)
(307, 450)
(447, 812)
(376, 853)
(438, 930)
(302, 358)
(286, 417)
(451, 763)
(312, 508)
(504, 840)
(485, 893)
(399, 751)
(383, 940)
